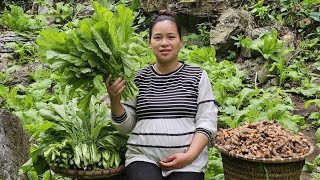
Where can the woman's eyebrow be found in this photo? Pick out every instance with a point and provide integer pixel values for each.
(157, 34)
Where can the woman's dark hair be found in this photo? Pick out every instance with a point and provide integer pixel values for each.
(162, 16)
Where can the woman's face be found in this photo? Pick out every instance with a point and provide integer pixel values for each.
(165, 41)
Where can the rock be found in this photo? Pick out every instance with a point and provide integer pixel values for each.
(210, 8)
(6, 61)
(256, 32)
(288, 42)
(21, 75)
(87, 11)
(43, 8)
(231, 23)
(7, 38)
(263, 72)
(199, 8)
(274, 81)
(156, 5)
(255, 67)
(14, 146)
(10, 37)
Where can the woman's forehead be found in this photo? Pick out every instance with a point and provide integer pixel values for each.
(165, 26)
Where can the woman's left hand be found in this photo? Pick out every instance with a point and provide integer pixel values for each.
(176, 161)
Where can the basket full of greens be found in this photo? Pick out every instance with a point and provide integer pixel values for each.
(81, 143)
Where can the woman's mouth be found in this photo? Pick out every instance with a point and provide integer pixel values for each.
(165, 51)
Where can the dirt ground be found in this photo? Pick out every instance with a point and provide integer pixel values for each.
(309, 132)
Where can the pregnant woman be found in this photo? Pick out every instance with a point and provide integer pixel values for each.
(174, 115)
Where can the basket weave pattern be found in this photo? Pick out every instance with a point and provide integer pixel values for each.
(238, 169)
(86, 174)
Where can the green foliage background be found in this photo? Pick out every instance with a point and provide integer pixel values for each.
(241, 102)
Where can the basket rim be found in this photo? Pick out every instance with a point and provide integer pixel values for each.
(264, 160)
(98, 173)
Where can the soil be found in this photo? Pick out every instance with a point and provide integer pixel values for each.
(309, 132)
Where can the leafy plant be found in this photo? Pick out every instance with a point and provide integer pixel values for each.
(272, 49)
(309, 88)
(214, 166)
(315, 176)
(202, 36)
(5, 76)
(17, 20)
(267, 44)
(61, 12)
(102, 45)
(259, 10)
(315, 115)
(75, 138)
(27, 51)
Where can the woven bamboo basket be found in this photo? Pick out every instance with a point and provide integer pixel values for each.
(86, 174)
(239, 167)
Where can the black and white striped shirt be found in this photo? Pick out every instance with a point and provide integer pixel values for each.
(169, 109)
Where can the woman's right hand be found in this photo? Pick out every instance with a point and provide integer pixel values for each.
(115, 90)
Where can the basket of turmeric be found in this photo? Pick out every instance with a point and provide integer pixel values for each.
(262, 150)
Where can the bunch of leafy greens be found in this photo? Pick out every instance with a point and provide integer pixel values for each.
(100, 46)
(70, 137)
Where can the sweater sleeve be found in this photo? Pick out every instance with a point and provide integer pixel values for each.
(206, 118)
(127, 121)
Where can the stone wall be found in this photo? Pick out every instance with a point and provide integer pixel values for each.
(14, 146)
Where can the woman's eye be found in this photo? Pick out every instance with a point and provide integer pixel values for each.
(171, 37)
(156, 38)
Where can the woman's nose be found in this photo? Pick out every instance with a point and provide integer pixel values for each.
(164, 42)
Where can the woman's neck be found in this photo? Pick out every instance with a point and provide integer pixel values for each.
(165, 68)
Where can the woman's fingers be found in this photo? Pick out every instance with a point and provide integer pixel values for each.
(168, 165)
(121, 90)
(116, 82)
(117, 87)
(108, 81)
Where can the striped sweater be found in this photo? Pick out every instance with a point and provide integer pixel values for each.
(168, 111)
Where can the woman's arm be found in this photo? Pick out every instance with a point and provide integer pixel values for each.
(123, 115)
(180, 160)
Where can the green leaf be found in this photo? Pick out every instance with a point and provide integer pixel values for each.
(53, 39)
(39, 163)
(246, 93)
(99, 84)
(27, 166)
(289, 124)
(102, 13)
(66, 59)
(310, 2)
(98, 30)
(318, 135)
(316, 101)
(49, 115)
(32, 175)
(308, 167)
(47, 175)
(42, 128)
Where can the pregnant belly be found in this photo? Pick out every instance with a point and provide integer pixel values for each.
(162, 140)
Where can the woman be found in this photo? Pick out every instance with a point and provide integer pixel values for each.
(173, 117)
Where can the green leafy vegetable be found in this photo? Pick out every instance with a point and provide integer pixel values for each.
(102, 45)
